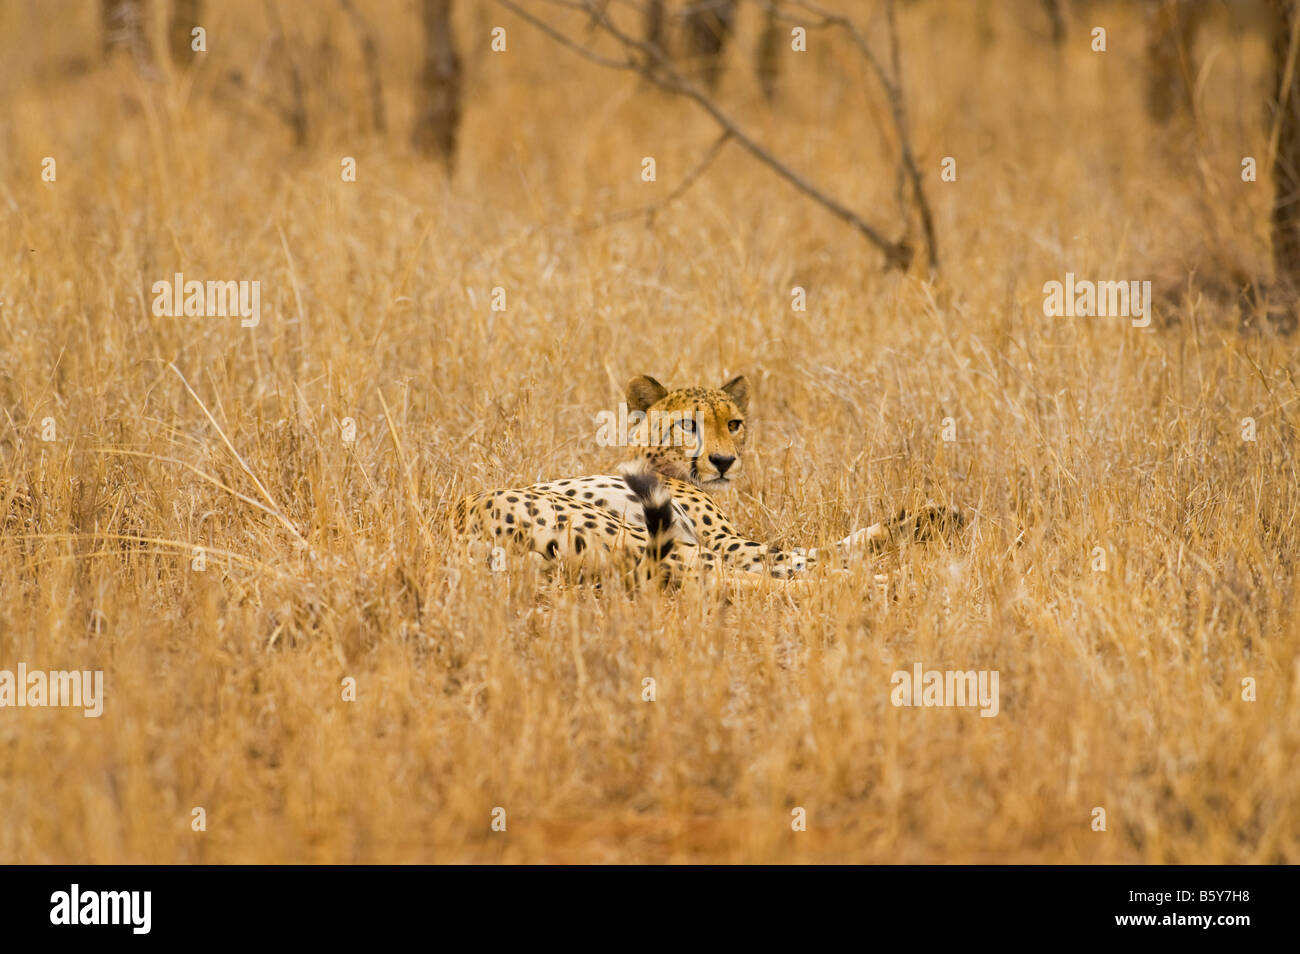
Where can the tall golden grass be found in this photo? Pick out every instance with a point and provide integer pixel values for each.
(326, 560)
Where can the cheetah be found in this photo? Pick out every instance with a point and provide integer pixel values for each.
(659, 510)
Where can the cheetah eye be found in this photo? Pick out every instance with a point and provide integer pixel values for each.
(687, 424)
(735, 426)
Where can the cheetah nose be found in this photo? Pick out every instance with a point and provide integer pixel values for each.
(721, 462)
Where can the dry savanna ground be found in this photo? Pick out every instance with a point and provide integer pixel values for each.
(128, 439)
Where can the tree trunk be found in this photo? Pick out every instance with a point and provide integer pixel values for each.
(1169, 47)
(123, 22)
(185, 17)
(1285, 219)
(1057, 19)
(708, 25)
(370, 54)
(768, 60)
(654, 24)
(439, 90)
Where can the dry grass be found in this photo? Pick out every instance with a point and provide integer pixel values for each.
(1118, 689)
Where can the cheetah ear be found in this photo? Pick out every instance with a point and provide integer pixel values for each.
(644, 391)
(738, 388)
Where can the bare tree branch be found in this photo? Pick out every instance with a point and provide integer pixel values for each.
(563, 40)
(893, 86)
(897, 254)
(687, 181)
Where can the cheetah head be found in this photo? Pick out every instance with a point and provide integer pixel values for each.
(693, 434)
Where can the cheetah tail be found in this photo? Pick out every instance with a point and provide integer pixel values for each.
(657, 503)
